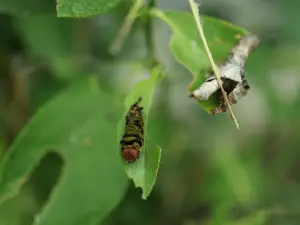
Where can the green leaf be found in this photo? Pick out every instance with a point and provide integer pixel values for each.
(84, 8)
(187, 46)
(144, 170)
(77, 125)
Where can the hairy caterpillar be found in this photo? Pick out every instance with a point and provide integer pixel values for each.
(133, 139)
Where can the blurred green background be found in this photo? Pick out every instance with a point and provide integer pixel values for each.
(210, 173)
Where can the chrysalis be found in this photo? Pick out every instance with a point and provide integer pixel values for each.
(133, 139)
(232, 76)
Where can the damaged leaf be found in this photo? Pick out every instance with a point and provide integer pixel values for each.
(232, 76)
(189, 51)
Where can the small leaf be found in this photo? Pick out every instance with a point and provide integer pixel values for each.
(84, 8)
(144, 170)
(188, 49)
(76, 125)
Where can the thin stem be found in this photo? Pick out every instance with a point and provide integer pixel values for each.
(118, 43)
(194, 7)
(149, 31)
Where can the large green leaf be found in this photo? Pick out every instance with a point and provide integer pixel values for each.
(77, 125)
(144, 170)
(188, 48)
(84, 8)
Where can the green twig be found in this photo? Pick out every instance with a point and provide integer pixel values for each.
(149, 31)
(194, 8)
(118, 43)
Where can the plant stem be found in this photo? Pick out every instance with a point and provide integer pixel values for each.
(194, 8)
(149, 31)
(118, 43)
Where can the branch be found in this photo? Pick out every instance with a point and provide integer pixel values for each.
(118, 42)
(149, 31)
(194, 7)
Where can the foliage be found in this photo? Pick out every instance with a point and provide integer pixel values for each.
(72, 125)
(63, 100)
(144, 171)
(188, 48)
(75, 8)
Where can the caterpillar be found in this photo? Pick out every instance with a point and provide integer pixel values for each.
(232, 75)
(133, 139)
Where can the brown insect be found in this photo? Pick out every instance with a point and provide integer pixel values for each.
(132, 142)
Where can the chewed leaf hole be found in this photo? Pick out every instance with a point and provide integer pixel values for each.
(51, 164)
(35, 192)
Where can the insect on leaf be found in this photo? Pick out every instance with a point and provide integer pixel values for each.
(132, 142)
(188, 48)
(232, 76)
(144, 170)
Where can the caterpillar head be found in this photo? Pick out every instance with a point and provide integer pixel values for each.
(130, 154)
